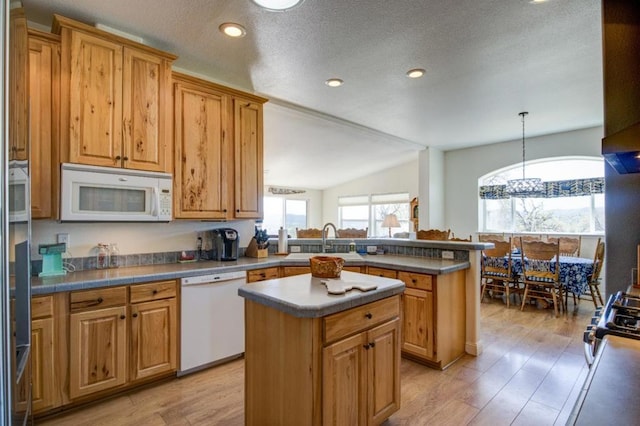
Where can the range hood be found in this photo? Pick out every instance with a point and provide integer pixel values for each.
(622, 149)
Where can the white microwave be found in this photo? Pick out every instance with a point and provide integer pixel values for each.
(106, 194)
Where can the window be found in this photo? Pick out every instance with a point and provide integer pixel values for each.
(368, 211)
(283, 212)
(560, 213)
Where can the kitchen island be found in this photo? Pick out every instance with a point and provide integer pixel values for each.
(314, 358)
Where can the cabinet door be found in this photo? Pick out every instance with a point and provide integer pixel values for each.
(247, 125)
(381, 272)
(153, 338)
(344, 382)
(18, 86)
(95, 96)
(202, 153)
(417, 325)
(146, 123)
(383, 371)
(43, 392)
(98, 350)
(44, 65)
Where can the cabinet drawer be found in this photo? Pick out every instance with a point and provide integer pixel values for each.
(41, 307)
(414, 280)
(262, 274)
(288, 271)
(360, 318)
(98, 298)
(381, 272)
(153, 291)
(352, 268)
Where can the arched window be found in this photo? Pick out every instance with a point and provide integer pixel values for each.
(572, 200)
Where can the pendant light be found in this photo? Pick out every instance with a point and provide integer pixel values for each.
(525, 187)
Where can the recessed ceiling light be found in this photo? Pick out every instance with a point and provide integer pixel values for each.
(278, 5)
(415, 73)
(233, 30)
(537, 1)
(334, 82)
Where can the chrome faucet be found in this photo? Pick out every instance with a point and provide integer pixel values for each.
(324, 235)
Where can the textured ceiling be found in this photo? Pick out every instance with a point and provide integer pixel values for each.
(485, 60)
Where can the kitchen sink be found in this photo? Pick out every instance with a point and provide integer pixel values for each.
(305, 256)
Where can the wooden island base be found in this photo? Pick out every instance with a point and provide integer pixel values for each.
(341, 369)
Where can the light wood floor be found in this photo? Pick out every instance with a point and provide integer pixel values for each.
(529, 374)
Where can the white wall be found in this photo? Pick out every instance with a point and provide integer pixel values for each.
(463, 167)
(402, 178)
(132, 237)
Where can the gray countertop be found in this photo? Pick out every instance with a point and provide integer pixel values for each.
(122, 276)
(610, 393)
(305, 296)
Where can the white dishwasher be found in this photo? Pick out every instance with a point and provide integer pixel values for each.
(212, 324)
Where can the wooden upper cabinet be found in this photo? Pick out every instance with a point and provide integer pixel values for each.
(115, 100)
(146, 112)
(44, 95)
(218, 151)
(248, 144)
(18, 86)
(202, 152)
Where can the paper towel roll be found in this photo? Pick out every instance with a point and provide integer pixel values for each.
(282, 241)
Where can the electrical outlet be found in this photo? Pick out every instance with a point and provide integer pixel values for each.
(446, 254)
(295, 249)
(63, 238)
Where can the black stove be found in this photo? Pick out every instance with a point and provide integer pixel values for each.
(619, 317)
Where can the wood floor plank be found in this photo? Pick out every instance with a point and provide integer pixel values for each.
(529, 373)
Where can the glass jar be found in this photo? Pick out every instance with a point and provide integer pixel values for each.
(102, 257)
(114, 255)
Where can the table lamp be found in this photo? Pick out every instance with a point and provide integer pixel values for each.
(390, 221)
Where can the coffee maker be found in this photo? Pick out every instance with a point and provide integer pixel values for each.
(225, 243)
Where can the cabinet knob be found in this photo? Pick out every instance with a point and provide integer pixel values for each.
(367, 346)
(237, 210)
(155, 292)
(125, 158)
(224, 210)
(122, 317)
(413, 280)
(135, 315)
(372, 344)
(368, 315)
(118, 158)
(100, 300)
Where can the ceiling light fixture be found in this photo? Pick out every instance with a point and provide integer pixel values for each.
(278, 5)
(416, 73)
(334, 82)
(525, 187)
(232, 29)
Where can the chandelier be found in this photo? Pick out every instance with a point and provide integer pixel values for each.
(525, 187)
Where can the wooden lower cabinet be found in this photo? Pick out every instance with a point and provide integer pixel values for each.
(153, 338)
(43, 391)
(433, 315)
(97, 350)
(288, 271)
(121, 336)
(361, 377)
(263, 274)
(342, 369)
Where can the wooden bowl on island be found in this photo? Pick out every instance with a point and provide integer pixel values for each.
(326, 266)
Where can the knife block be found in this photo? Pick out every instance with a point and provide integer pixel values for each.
(254, 251)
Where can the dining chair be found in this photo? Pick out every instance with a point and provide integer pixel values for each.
(594, 278)
(352, 233)
(541, 273)
(309, 233)
(518, 238)
(433, 234)
(496, 270)
(570, 246)
(454, 238)
(483, 238)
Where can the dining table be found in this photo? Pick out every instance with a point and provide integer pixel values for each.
(574, 272)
